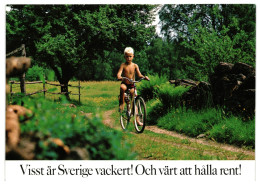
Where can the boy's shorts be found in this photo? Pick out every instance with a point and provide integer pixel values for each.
(129, 86)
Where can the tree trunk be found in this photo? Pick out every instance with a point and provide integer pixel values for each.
(64, 89)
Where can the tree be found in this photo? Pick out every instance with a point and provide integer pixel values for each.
(68, 38)
(209, 34)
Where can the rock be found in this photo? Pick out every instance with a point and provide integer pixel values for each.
(14, 113)
(183, 82)
(223, 68)
(78, 153)
(199, 94)
(243, 68)
(201, 136)
(16, 66)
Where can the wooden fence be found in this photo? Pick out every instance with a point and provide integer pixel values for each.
(22, 80)
(44, 90)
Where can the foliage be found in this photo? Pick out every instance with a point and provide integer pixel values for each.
(208, 34)
(87, 41)
(67, 37)
(212, 123)
(155, 110)
(189, 122)
(33, 73)
(170, 96)
(36, 73)
(148, 89)
(234, 131)
(74, 129)
(210, 48)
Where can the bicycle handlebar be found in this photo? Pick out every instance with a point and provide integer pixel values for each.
(131, 80)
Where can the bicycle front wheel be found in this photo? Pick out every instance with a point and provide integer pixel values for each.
(124, 117)
(140, 114)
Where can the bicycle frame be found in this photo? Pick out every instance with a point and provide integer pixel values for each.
(132, 110)
(128, 91)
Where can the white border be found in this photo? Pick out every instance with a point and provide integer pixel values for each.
(10, 169)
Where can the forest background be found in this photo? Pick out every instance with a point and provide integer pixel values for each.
(86, 42)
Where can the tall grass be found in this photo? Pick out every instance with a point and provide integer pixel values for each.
(234, 131)
(212, 123)
(189, 122)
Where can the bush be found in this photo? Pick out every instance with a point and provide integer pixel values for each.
(155, 110)
(170, 96)
(148, 89)
(74, 129)
(34, 73)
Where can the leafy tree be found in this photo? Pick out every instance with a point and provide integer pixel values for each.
(69, 38)
(209, 34)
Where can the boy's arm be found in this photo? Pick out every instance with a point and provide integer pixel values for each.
(139, 73)
(119, 73)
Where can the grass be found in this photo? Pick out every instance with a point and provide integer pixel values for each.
(230, 130)
(95, 96)
(164, 147)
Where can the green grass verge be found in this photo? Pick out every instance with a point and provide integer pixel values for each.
(231, 130)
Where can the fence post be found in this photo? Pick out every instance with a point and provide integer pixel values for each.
(79, 91)
(43, 82)
(22, 78)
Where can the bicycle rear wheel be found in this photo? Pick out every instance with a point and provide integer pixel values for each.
(124, 117)
(140, 114)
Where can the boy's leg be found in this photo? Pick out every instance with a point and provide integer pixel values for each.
(123, 88)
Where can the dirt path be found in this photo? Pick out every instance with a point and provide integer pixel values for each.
(107, 118)
(109, 122)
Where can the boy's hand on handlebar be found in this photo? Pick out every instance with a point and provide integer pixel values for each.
(146, 78)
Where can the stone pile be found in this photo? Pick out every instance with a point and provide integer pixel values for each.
(233, 87)
(198, 96)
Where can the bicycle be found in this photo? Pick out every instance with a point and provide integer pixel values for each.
(134, 107)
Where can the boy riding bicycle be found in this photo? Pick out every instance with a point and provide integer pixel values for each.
(128, 70)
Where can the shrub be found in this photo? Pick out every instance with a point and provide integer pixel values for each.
(75, 130)
(170, 96)
(34, 73)
(154, 111)
(148, 89)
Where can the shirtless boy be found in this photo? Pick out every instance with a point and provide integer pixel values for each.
(128, 70)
